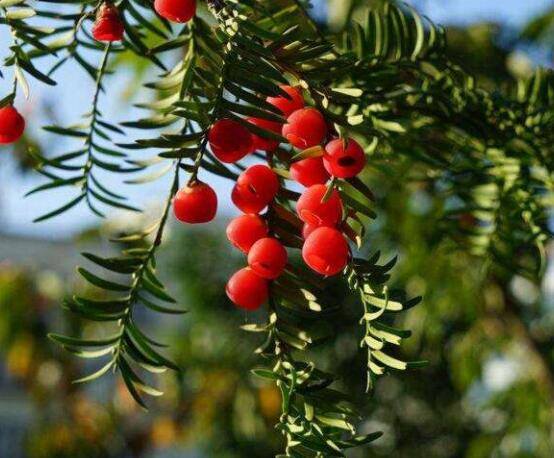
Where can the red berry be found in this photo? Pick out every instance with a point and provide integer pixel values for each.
(305, 128)
(312, 210)
(246, 230)
(326, 251)
(108, 25)
(307, 230)
(176, 10)
(230, 141)
(268, 258)
(344, 158)
(309, 171)
(255, 189)
(261, 143)
(12, 125)
(195, 204)
(288, 106)
(247, 290)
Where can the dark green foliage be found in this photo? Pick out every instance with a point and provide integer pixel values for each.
(385, 82)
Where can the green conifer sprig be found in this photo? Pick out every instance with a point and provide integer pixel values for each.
(386, 82)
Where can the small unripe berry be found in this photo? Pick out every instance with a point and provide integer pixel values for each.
(288, 106)
(312, 210)
(247, 290)
(176, 10)
(261, 143)
(326, 251)
(268, 258)
(108, 25)
(309, 171)
(305, 128)
(12, 125)
(255, 189)
(230, 141)
(195, 204)
(246, 230)
(341, 161)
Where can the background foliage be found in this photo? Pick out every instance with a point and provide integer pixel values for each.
(466, 212)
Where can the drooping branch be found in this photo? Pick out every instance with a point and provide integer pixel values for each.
(89, 141)
(392, 89)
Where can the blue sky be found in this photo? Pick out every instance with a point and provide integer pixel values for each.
(512, 12)
(72, 96)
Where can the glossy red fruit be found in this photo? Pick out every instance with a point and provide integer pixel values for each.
(176, 10)
(230, 141)
(195, 204)
(307, 230)
(12, 125)
(305, 128)
(326, 251)
(344, 158)
(108, 25)
(261, 143)
(288, 106)
(246, 230)
(268, 258)
(312, 210)
(309, 171)
(247, 290)
(255, 189)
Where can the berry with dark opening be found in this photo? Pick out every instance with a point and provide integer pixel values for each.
(246, 230)
(195, 204)
(230, 141)
(305, 128)
(247, 290)
(176, 10)
(344, 158)
(309, 171)
(288, 106)
(108, 25)
(12, 125)
(261, 143)
(255, 189)
(326, 251)
(312, 210)
(268, 258)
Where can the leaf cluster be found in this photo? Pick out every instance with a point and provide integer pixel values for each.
(385, 82)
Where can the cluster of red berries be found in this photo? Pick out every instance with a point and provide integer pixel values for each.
(255, 189)
(109, 25)
(325, 248)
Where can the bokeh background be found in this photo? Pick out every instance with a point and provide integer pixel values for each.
(488, 334)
